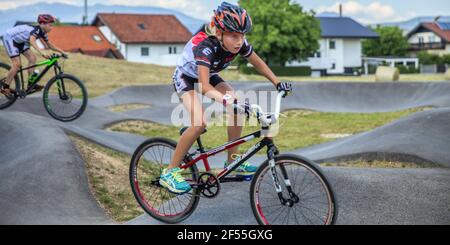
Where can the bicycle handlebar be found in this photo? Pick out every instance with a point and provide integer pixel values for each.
(59, 56)
(267, 119)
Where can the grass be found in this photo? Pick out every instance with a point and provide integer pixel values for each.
(108, 178)
(308, 127)
(102, 75)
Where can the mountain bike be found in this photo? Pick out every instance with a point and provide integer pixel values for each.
(286, 189)
(65, 96)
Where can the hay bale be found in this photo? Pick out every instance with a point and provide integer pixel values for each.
(447, 75)
(387, 74)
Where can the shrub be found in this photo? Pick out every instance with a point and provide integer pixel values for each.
(280, 70)
(407, 69)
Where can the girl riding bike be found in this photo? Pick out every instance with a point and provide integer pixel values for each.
(206, 54)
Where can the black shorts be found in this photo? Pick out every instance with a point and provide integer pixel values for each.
(183, 83)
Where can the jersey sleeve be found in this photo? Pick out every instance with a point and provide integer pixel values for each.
(246, 50)
(204, 54)
(38, 33)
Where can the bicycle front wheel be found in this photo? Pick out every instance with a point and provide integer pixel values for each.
(65, 98)
(147, 163)
(311, 200)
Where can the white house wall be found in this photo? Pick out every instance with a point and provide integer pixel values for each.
(352, 53)
(336, 56)
(158, 54)
(316, 63)
(109, 35)
(427, 38)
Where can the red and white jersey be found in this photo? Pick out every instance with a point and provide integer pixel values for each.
(207, 51)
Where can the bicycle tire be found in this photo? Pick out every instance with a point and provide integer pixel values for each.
(262, 212)
(49, 108)
(138, 186)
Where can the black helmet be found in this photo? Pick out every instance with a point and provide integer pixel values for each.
(232, 18)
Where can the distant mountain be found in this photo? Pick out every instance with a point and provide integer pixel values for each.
(410, 24)
(73, 13)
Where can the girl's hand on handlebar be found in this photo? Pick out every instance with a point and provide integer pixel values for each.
(285, 87)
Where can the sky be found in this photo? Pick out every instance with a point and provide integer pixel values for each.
(365, 11)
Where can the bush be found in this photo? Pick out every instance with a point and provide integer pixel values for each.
(407, 69)
(446, 59)
(280, 71)
(433, 59)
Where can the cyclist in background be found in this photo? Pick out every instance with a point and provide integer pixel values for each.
(17, 41)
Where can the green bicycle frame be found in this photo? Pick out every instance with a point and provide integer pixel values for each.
(48, 63)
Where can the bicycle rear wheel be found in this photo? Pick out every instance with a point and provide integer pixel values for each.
(146, 166)
(315, 205)
(65, 98)
(6, 102)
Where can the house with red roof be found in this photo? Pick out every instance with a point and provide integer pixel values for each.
(432, 37)
(145, 38)
(86, 40)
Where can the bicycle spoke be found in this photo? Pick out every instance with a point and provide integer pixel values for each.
(314, 205)
(162, 204)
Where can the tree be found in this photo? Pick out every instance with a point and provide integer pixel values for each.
(391, 43)
(282, 31)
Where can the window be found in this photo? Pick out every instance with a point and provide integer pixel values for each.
(145, 51)
(97, 38)
(172, 50)
(432, 39)
(333, 66)
(142, 26)
(318, 54)
(332, 44)
(421, 41)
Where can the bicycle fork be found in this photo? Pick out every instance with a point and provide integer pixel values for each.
(293, 198)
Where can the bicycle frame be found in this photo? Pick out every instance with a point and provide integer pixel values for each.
(204, 155)
(53, 62)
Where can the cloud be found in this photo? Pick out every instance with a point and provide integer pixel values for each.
(200, 9)
(10, 4)
(372, 12)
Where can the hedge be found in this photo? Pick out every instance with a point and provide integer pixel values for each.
(407, 69)
(280, 70)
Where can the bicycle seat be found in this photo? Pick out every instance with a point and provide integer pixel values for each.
(184, 129)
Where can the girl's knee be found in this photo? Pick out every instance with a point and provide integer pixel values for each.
(32, 59)
(198, 129)
(15, 67)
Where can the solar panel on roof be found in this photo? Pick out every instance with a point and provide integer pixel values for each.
(444, 25)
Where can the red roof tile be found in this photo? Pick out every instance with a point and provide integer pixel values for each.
(445, 34)
(141, 28)
(82, 39)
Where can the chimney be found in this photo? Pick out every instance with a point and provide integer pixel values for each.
(85, 17)
(437, 18)
(340, 10)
